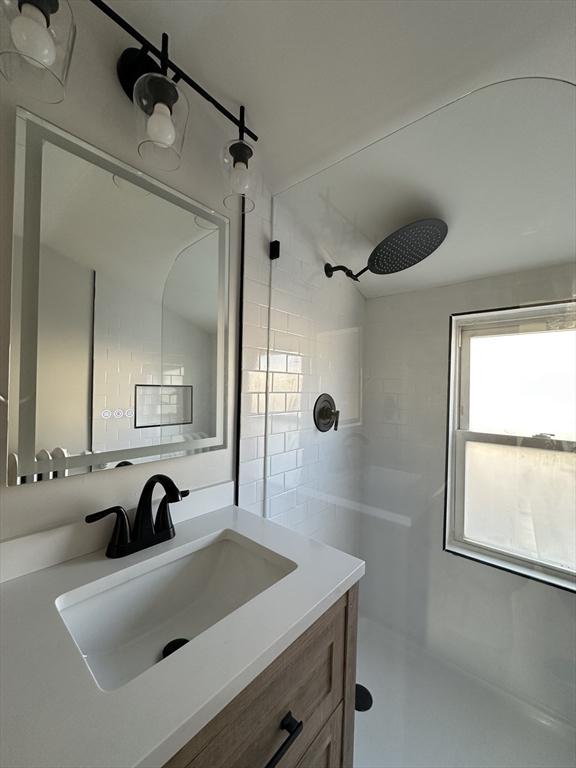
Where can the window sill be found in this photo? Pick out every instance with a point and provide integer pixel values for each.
(511, 565)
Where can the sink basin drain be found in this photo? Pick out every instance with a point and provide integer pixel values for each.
(173, 645)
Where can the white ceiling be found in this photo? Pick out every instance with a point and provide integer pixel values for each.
(323, 78)
(499, 166)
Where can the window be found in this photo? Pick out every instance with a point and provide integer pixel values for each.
(511, 460)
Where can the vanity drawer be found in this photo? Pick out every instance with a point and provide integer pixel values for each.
(326, 749)
(306, 680)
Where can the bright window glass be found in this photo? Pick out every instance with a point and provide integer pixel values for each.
(511, 492)
(524, 384)
(523, 501)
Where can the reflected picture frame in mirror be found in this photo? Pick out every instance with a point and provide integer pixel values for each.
(169, 379)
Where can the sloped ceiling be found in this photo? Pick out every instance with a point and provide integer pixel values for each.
(323, 78)
(498, 166)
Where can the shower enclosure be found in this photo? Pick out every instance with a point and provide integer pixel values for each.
(467, 634)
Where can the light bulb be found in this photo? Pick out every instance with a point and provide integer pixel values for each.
(160, 128)
(30, 35)
(240, 179)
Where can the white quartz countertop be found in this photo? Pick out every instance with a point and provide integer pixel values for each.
(52, 713)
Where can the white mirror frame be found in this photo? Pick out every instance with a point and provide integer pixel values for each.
(31, 133)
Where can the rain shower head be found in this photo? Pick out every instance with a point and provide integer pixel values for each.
(401, 250)
(407, 246)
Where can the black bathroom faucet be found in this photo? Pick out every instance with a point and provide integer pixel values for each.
(146, 532)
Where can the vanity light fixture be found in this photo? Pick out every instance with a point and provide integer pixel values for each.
(36, 44)
(237, 161)
(161, 108)
(149, 77)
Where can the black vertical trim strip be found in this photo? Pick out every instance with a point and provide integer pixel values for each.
(90, 468)
(448, 398)
(239, 353)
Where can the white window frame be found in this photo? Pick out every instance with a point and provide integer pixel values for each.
(462, 328)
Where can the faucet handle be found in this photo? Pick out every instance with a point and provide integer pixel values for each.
(120, 539)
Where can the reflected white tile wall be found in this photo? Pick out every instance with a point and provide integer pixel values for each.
(127, 351)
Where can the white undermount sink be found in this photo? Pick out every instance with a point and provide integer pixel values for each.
(121, 622)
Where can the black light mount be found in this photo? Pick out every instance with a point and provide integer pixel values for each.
(240, 152)
(46, 7)
(135, 62)
(132, 64)
(162, 92)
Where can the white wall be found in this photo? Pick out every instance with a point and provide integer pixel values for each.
(64, 354)
(516, 633)
(377, 489)
(127, 351)
(96, 110)
(189, 357)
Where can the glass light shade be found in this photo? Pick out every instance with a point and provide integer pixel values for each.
(240, 174)
(161, 116)
(203, 223)
(36, 44)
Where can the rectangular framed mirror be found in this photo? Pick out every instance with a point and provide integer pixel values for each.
(119, 327)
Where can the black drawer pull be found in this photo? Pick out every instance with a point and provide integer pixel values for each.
(294, 728)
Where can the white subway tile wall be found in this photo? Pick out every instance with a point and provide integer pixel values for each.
(255, 355)
(315, 345)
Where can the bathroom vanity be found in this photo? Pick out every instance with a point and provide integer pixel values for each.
(266, 677)
(298, 712)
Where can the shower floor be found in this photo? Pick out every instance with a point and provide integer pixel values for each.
(429, 715)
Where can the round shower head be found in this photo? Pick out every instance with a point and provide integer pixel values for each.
(407, 246)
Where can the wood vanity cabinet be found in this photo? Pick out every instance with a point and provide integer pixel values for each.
(314, 680)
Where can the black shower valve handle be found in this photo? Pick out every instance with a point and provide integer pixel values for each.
(335, 414)
(336, 420)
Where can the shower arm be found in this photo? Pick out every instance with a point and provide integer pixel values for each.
(357, 275)
(329, 271)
